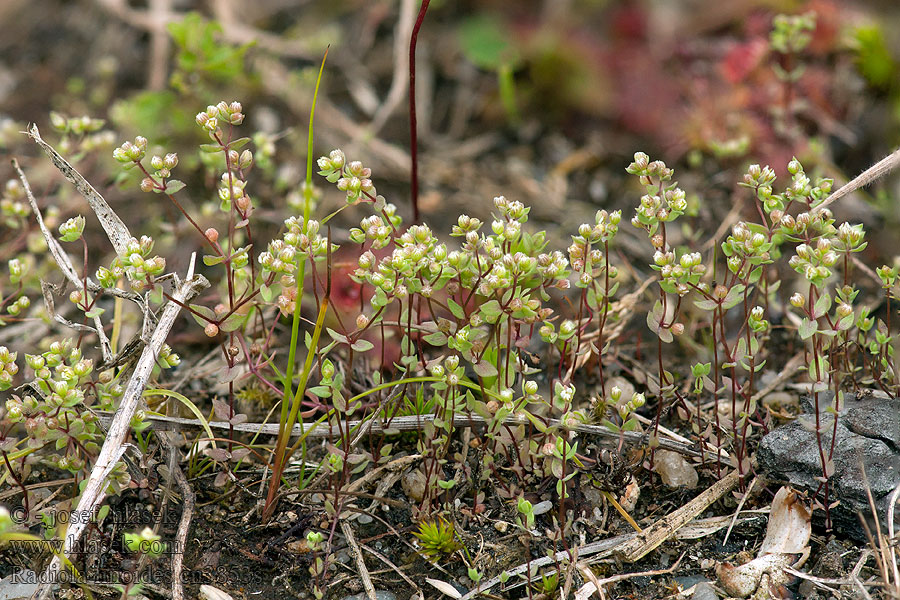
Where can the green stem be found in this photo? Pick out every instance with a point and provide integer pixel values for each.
(287, 418)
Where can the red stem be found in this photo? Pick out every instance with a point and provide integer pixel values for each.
(413, 139)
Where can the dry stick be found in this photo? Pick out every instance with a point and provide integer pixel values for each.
(651, 538)
(737, 511)
(412, 423)
(184, 525)
(600, 549)
(360, 561)
(159, 47)
(586, 590)
(394, 567)
(890, 524)
(115, 229)
(876, 171)
(114, 444)
(234, 30)
(62, 260)
(570, 572)
(36, 486)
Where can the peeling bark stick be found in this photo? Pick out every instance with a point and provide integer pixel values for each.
(115, 229)
(114, 444)
(63, 262)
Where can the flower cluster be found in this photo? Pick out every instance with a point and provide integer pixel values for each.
(377, 228)
(850, 238)
(57, 414)
(72, 229)
(803, 190)
(18, 268)
(131, 153)
(8, 367)
(792, 33)
(681, 275)
(748, 247)
(814, 262)
(15, 308)
(756, 321)
(761, 180)
(136, 264)
(86, 131)
(211, 119)
(661, 204)
(586, 259)
(13, 204)
(417, 264)
(300, 242)
(352, 177)
(162, 170)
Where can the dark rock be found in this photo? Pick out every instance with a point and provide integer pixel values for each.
(868, 436)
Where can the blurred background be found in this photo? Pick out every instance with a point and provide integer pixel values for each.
(544, 102)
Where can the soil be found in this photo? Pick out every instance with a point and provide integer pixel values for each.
(565, 157)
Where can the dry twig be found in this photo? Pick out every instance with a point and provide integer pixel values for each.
(114, 444)
(360, 561)
(651, 538)
(587, 589)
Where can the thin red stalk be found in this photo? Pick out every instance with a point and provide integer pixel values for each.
(413, 137)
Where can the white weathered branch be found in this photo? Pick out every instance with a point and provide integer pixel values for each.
(113, 446)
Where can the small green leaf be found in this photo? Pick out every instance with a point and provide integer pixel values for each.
(436, 339)
(322, 391)
(485, 369)
(197, 309)
(734, 297)
(338, 337)
(95, 312)
(210, 260)
(362, 345)
(456, 309)
(211, 148)
(705, 304)
(822, 305)
(490, 310)
(174, 185)
(807, 328)
(238, 143)
(233, 322)
(818, 370)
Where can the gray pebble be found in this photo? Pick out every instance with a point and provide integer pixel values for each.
(379, 595)
(704, 591)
